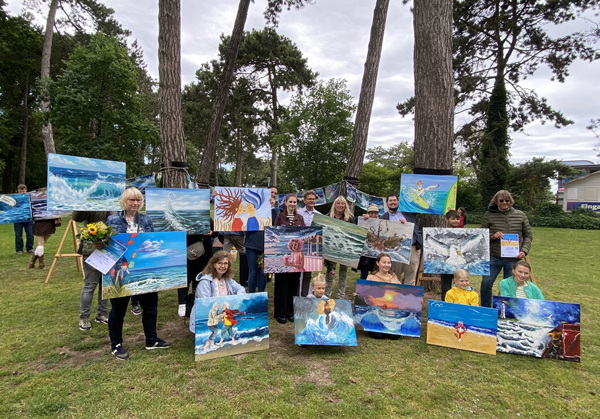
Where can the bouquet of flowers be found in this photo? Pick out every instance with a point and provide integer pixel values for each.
(96, 233)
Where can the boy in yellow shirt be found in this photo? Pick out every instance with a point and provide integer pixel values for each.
(461, 294)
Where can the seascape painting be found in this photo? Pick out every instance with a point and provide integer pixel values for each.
(447, 249)
(363, 201)
(388, 308)
(242, 209)
(459, 326)
(300, 195)
(231, 325)
(39, 208)
(141, 182)
(332, 191)
(538, 328)
(427, 194)
(293, 249)
(15, 208)
(323, 322)
(153, 262)
(342, 241)
(179, 209)
(84, 184)
(391, 237)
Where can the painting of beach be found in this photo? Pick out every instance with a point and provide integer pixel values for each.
(15, 208)
(84, 184)
(231, 325)
(242, 209)
(39, 208)
(460, 326)
(320, 322)
(179, 209)
(447, 249)
(391, 237)
(153, 262)
(342, 241)
(388, 308)
(538, 328)
(427, 194)
(293, 249)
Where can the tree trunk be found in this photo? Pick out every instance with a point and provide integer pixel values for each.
(238, 163)
(169, 74)
(25, 128)
(45, 74)
(224, 85)
(216, 169)
(367, 91)
(274, 130)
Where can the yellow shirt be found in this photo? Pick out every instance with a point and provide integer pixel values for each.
(458, 296)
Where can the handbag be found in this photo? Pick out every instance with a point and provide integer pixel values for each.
(57, 222)
(195, 250)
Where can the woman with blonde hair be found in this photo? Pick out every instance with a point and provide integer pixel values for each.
(340, 211)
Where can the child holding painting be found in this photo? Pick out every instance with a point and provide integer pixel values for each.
(461, 294)
(452, 221)
(317, 288)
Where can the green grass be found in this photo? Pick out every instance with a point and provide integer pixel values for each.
(49, 368)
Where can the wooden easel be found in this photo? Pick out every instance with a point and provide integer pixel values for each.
(421, 275)
(530, 271)
(71, 226)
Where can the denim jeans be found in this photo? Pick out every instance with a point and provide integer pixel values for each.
(28, 226)
(149, 305)
(256, 275)
(93, 279)
(487, 282)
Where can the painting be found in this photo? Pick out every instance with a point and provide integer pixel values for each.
(242, 209)
(323, 322)
(179, 209)
(538, 328)
(459, 326)
(141, 182)
(231, 325)
(84, 184)
(300, 195)
(391, 237)
(15, 208)
(388, 308)
(39, 207)
(427, 194)
(447, 249)
(342, 241)
(363, 201)
(293, 249)
(332, 191)
(153, 262)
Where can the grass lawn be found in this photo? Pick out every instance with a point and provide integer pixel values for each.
(49, 368)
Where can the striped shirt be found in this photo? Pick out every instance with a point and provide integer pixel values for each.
(521, 291)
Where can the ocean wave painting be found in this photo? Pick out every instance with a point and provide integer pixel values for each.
(342, 241)
(427, 194)
(15, 208)
(141, 182)
(39, 208)
(391, 237)
(242, 209)
(447, 249)
(84, 184)
(153, 262)
(279, 257)
(332, 191)
(179, 209)
(320, 322)
(248, 316)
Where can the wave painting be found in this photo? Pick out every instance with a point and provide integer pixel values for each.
(15, 208)
(427, 194)
(179, 209)
(342, 241)
(320, 322)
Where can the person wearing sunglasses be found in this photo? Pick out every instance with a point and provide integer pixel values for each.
(501, 218)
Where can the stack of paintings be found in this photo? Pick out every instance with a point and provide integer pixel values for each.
(447, 249)
(293, 249)
(179, 209)
(323, 322)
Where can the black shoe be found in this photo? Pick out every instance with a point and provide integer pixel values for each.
(120, 353)
(291, 319)
(281, 320)
(159, 344)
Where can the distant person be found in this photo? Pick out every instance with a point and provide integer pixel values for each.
(308, 212)
(19, 227)
(340, 211)
(366, 264)
(317, 288)
(518, 284)
(42, 230)
(463, 217)
(462, 292)
(452, 221)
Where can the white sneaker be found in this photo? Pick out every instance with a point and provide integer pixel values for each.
(181, 310)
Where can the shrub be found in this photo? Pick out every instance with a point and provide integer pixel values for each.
(548, 210)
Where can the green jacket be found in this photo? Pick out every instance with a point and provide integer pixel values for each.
(508, 288)
(510, 222)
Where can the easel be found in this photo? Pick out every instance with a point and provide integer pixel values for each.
(421, 275)
(530, 271)
(78, 258)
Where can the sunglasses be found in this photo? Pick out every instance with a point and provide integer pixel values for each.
(503, 200)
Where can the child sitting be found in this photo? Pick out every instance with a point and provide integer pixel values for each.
(452, 221)
(317, 288)
(461, 294)
(518, 285)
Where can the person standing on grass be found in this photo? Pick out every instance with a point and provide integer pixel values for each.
(19, 227)
(42, 230)
(307, 213)
(340, 211)
(366, 264)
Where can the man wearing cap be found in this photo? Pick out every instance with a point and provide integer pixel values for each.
(307, 213)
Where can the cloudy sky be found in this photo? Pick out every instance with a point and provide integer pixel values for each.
(334, 36)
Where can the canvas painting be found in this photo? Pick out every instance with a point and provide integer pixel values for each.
(15, 208)
(293, 249)
(342, 241)
(538, 328)
(388, 308)
(391, 237)
(141, 182)
(323, 322)
(84, 184)
(179, 209)
(39, 208)
(300, 195)
(153, 262)
(332, 191)
(231, 325)
(427, 194)
(242, 209)
(447, 249)
(459, 326)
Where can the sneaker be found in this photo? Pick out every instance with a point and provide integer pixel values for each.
(20, 252)
(102, 319)
(30, 251)
(120, 353)
(159, 344)
(181, 310)
(84, 323)
(135, 310)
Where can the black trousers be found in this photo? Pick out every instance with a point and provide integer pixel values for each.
(149, 304)
(446, 284)
(286, 287)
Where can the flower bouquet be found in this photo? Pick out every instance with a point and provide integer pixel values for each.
(96, 233)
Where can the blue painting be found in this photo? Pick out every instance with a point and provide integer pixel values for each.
(447, 249)
(83, 184)
(538, 328)
(293, 249)
(141, 182)
(459, 326)
(242, 209)
(391, 237)
(231, 325)
(364, 200)
(15, 208)
(342, 241)
(300, 195)
(179, 209)
(332, 191)
(153, 262)
(388, 308)
(427, 194)
(323, 322)
(39, 208)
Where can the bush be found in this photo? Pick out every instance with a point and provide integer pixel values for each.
(574, 220)
(586, 212)
(548, 210)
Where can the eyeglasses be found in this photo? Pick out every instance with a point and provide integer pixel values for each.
(222, 263)
(134, 200)
(503, 200)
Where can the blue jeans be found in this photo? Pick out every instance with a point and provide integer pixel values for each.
(487, 282)
(256, 276)
(28, 226)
